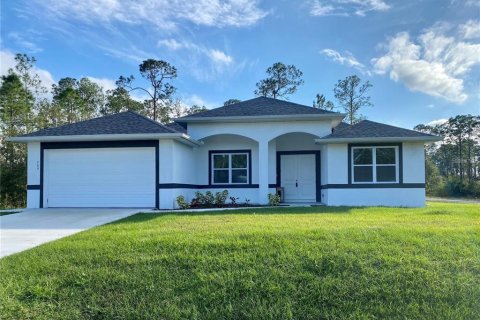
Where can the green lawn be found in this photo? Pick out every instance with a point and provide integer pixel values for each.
(282, 263)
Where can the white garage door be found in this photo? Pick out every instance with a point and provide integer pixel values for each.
(99, 177)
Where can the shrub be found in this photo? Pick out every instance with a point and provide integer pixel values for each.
(199, 199)
(233, 201)
(273, 199)
(182, 204)
(209, 199)
(220, 198)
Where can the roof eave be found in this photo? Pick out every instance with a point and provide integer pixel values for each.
(181, 137)
(272, 118)
(378, 139)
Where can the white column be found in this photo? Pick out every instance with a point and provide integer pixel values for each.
(263, 172)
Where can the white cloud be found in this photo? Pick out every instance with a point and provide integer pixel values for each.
(172, 44)
(431, 106)
(346, 59)
(7, 59)
(216, 56)
(437, 122)
(23, 41)
(346, 7)
(220, 57)
(319, 10)
(163, 14)
(203, 63)
(199, 101)
(105, 83)
(436, 65)
(470, 29)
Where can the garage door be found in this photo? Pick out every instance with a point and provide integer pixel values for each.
(99, 177)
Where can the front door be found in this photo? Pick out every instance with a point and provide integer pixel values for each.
(298, 177)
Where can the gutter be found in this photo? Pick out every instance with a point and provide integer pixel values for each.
(379, 139)
(181, 137)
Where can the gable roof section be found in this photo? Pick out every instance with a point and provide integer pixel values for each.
(121, 126)
(127, 122)
(177, 127)
(258, 107)
(342, 125)
(366, 130)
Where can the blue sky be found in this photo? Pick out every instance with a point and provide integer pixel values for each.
(422, 57)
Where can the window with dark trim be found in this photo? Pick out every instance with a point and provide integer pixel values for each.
(230, 168)
(377, 164)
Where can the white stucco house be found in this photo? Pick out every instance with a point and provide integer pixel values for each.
(249, 148)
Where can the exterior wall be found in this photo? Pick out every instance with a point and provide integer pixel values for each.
(337, 191)
(296, 142)
(337, 164)
(33, 174)
(392, 197)
(413, 162)
(176, 167)
(259, 131)
(223, 142)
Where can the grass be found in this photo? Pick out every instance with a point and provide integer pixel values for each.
(281, 263)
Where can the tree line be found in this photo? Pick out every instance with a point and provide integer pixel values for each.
(453, 165)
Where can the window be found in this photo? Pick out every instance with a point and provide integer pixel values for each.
(230, 168)
(375, 164)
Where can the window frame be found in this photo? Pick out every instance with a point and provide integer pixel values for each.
(229, 153)
(374, 164)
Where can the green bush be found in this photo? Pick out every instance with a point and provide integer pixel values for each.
(454, 187)
(209, 199)
(273, 199)
(182, 204)
(220, 198)
(199, 198)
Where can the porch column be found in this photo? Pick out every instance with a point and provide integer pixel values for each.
(263, 172)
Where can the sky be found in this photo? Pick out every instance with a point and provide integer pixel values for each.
(422, 57)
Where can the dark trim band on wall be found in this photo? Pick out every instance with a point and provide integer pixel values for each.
(213, 186)
(33, 187)
(206, 186)
(318, 187)
(400, 159)
(375, 186)
(247, 151)
(101, 144)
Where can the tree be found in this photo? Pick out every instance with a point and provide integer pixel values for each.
(281, 81)
(231, 101)
(76, 100)
(322, 103)
(196, 109)
(351, 94)
(119, 100)
(16, 104)
(31, 81)
(157, 73)
(455, 157)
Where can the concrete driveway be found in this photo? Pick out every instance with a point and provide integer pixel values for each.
(33, 227)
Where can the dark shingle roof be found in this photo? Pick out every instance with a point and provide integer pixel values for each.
(127, 122)
(260, 106)
(177, 127)
(342, 125)
(370, 129)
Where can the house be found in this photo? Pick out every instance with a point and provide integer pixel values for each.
(249, 148)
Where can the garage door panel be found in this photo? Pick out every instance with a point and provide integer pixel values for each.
(111, 177)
